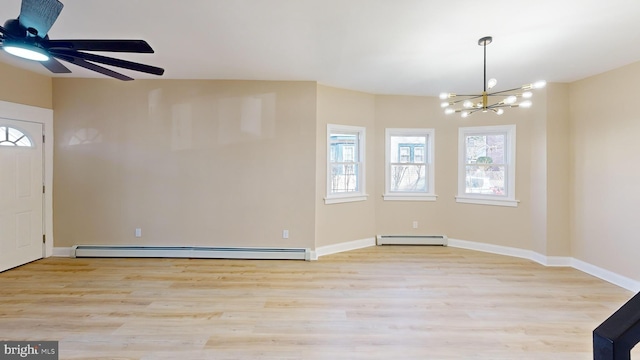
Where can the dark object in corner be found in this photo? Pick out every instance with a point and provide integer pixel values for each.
(616, 336)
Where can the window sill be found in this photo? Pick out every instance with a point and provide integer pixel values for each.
(345, 198)
(410, 197)
(485, 201)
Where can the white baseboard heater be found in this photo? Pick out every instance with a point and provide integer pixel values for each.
(194, 252)
(411, 240)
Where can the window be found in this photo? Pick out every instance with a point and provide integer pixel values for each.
(345, 164)
(486, 165)
(13, 137)
(409, 164)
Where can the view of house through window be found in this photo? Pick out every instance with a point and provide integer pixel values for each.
(487, 165)
(13, 137)
(409, 169)
(345, 165)
(344, 169)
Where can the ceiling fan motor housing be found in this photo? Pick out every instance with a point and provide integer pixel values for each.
(13, 28)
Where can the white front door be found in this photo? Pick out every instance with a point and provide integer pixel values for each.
(21, 193)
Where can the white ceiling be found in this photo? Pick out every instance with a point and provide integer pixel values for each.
(418, 47)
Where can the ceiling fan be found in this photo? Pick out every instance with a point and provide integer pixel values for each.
(27, 37)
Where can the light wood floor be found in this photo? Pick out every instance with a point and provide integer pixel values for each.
(374, 303)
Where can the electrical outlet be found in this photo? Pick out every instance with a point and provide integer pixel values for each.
(285, 234)
(415, 224)
(138, 232)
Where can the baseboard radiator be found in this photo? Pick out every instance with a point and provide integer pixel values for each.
(411, 240)
(194, 252)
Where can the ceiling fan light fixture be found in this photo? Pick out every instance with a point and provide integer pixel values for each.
(26, 51)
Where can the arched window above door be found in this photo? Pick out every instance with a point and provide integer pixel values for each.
(13, 137)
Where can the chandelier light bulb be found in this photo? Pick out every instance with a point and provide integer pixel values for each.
(444, 104)
(539, 84)
(526, 104)
(449, 111)
(444, 96)
(527, 94)
(510, 100)
(464, 114)
(491, 83)
(500, 111)
(467, 104)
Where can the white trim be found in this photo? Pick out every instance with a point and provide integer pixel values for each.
(562, 261)
(493, 249)
(429, 195)
(345, 198)
(508, 199)
(606, 275)
(483, 201)
(410, 197)
(346, 246)
(62, 252)
(43, 116)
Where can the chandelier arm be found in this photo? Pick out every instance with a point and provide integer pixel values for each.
(503, 91)
(469, 97)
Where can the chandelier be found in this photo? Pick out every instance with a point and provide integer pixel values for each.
(469, 104)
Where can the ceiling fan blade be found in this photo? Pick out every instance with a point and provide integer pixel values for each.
(132, 46)
(39, 14)
(113, 62)
(97, 68)
(55, 66)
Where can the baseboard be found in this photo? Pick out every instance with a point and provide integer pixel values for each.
(497, 249)
(565, 261)
(606, 275)
(61, 252)
(342, 247)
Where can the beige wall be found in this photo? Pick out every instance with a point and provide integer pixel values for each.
(605, 128)
(215, 163)
(397, 217)
(489, 224)
(342, 222)
(558, 169)
(24, 87)
(227, 163)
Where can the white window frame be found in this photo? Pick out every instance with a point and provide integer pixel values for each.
(508, 199)
(429, 194)
(360, 195)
